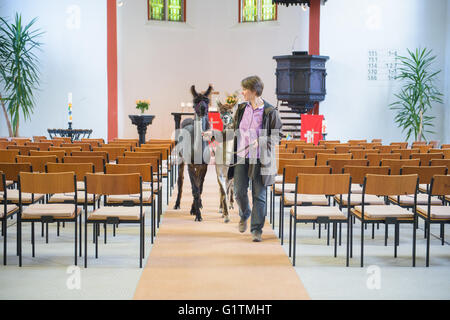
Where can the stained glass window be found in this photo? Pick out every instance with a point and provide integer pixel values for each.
(171, 10)
(257, 10)
(156, 9)
(268, 10)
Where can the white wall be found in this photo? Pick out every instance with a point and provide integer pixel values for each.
(72, 60)
(447, 79)
(160, 61)
(356, 107)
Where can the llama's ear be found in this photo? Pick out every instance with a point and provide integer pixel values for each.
(220, 105)
(208, 92)
(194, 93)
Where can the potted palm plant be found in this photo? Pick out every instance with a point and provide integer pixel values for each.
(418, 93)
(19, 73)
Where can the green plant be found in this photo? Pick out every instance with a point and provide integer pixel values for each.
(417, 94)
(142, 105)
(19, 73)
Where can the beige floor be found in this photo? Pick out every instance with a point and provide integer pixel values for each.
(212, 260)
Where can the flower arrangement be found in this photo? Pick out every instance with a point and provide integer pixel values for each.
(230, 101)
(142, 105)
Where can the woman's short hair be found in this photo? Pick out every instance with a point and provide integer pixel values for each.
(254, 84)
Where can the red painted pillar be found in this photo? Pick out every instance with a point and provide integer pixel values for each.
(314, 36)
(112, 68)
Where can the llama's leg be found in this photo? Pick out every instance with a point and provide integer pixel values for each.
(193, 173)
(223, 191)
(180, 184)
(201, 173)
(218, 176)
(230, 192)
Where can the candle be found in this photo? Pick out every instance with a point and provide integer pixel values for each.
(70, 107)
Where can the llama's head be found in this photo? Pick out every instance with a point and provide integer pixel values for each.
(201, 101)
(226, 114)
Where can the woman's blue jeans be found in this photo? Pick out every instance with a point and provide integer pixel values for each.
(259, 195)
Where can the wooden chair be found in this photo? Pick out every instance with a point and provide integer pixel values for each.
(59, 154)
(385, 149)
(405, 153)
(445, 152)
(425, 158)
(99, 142)
(397, 164)
(4, 144)
(7, 211)
(8, 155)
(337, 165)
(23, 150)
(47, 183)
(423, 148)
(445, 146)
(12, 171)
(425, 174)
(67, 150)
(418, 143)
(42, 146)
(148, 181)
(56, 143)
(322, 158)
(387, 185)
(356, 142)
(439, 186)
(98, 162)
(369, 145)
(288, 187)
(434, 143)
(376, 140)
(400, 145)
(308, 210)
(21, 141)
(329, 142)
(311, 153)
(113, 152)
(300, 147)
(39, 138)
(92, 144)
(37, 162)
(440, 162)
(63, 139)
(362, 154)
(342, 149)
(291, 155)
(102, 154)
(111, 185)
(82, 146)
(375, 159)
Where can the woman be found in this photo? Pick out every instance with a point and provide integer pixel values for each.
(258, 129)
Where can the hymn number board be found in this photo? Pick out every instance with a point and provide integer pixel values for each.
(382, 65)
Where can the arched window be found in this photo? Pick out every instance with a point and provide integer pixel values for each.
(167, 10)
(257, 10)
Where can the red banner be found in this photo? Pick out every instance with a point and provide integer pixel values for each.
(215, 121)
(311, 128)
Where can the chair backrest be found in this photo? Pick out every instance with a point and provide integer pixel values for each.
(338, 164)
(375, 159)
(342, 149)
(423, 148)
(322, 158)
(384, 149)
(153, 161)
(128, 145)
(445, 152)
(56, 143)
(369, 145)
(425, 173)
(113, 184)
(21, 141)
(311, 153)
(291, 172)
(63, 139)
(113, 152)
(8, 155)
(91, 143)
(440, 162)
(377, 140)
(59, 154)
(327, 141)
(145, 170)
(426, 157)
(400, 145)
(359, 172)
(361, 154)
(23, 150)
(311, 146)
(98, 162)
(327, 184)
(387, 185)
(440, 185)
(396, 164)
(99, 141)
(67, 150)
(42, 146)
(83, 146)
(283, 162)
(80, 169)
(37, 162)
(356, 142)
(39, 138)
(291, 155)
(405, 153)
(102, 154)
(445, 146)
(4, 144)
(12, 170)
(47, 183)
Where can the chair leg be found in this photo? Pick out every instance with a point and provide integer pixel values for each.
(414, 243)
(442, 233)
(46, 233)
(290, 234)
(362, 244)
(335, 240)
(320, 230)
(427, 231)
(32, 240)
(96, 239)
(76, 240)
(80, 236)
(294, 240)
(395, 240)
(282, 223)
(104, 230)
(19, 239)
(347, 256)
(5, 247)
(42, 229)
(385, 234)
(328, 233)
(340, 233)
(85, 239)
(57, 229)
(373, 230)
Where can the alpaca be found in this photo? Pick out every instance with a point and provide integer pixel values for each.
(194, 151)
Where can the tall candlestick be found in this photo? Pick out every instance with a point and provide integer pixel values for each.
(70, 107)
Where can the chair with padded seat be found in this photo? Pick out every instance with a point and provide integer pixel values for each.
(47, 183)
(387, 185)
(129, 212)
(432, 214)
(313, 211)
